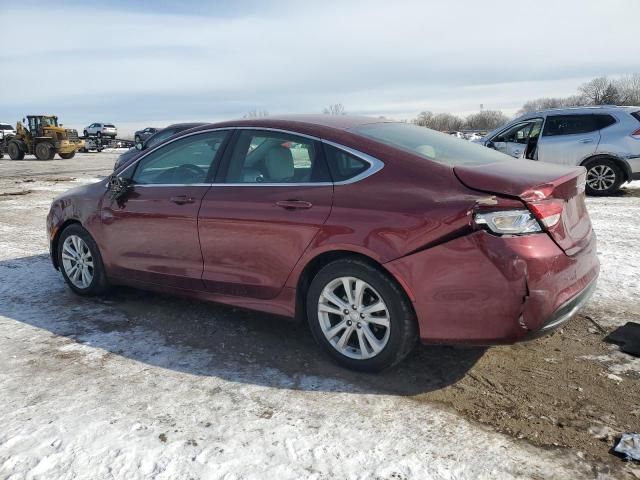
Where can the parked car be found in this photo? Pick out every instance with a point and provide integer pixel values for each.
(101, 130)
(141, 135)
(6, 130)
(379, 233)
(603, 139)
(154, 140)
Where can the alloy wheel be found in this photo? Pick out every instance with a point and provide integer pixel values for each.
(601, 177)
(354, 318)
(77, 261)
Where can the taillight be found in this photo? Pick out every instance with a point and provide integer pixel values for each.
(636, 134)
(508, 222)
(547, 211)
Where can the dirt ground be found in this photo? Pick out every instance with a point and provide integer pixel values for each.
(569, 393)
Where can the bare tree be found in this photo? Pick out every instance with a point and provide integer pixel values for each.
(599, 91)
(335, 109)
(547, 103)
(255, 113)
(628, 88)
(486, 120)
(440, 121)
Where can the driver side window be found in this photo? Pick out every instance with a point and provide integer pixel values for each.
(517, 134)
(183, 162)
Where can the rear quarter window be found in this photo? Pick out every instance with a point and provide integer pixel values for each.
(342, 165)
(636, 115)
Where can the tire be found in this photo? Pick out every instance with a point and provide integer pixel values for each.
(85, 134)
(44, 151)
(394, 341)
(14, 151)
(98, 283)
(137, 139)
(604, 177)
(99, 134)
(67, 156)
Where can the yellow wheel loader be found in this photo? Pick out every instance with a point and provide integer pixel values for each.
(40, 135)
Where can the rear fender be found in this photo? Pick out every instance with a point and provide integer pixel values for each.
(621, 162)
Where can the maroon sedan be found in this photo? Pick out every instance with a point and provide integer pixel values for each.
(378, 232)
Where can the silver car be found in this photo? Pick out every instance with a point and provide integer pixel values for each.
(6, 130)
(101, 130)
(603, 139)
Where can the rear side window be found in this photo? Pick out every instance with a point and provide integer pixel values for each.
(274, 157)
(429, 144)
(604, 121)
(570, 125)
(342, 165)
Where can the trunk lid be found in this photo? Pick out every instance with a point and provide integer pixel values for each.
(543, 188)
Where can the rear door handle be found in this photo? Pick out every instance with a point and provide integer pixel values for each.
(586, 140)
(182, 199)
(294, 204)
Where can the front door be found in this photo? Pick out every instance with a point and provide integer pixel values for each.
(151, 233)
(270, 200)
(569, 139)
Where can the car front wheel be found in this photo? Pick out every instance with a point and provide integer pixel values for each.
(80, 261)
(360, 316)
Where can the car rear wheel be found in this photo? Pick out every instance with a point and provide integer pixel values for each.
(604, 177)
(360, 316)
(80, 261)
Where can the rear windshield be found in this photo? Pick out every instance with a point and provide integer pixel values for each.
(637, 115)
(108, 125)
(4, 126)
(432, 145)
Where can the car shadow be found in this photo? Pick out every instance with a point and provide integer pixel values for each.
(207, 339)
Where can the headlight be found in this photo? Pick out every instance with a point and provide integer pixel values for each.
(509, 222)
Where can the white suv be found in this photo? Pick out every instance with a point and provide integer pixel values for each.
(603, 139)
(6, 130)
(101, 130)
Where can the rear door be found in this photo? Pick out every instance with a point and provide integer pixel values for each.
(568, 139)
(151, 234)
(271, 198)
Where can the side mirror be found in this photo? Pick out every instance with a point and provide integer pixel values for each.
(118, 186)
(139, 146)
(490, 144)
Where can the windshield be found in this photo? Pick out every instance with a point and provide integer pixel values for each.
(432, 145)
(49, 121)
(159, 137)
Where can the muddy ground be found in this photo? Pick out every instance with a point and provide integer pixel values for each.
(569, 393)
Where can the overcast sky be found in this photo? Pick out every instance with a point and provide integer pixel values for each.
(138, 63)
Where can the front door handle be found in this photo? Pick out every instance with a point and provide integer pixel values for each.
(516, 153)
(182, 199)
(294, 204)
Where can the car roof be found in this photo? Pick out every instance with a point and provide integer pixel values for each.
(583, 109)
(184, 125)
(315, 125)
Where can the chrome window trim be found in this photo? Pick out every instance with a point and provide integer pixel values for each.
(375, 165)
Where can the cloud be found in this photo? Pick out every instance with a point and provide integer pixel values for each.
(189, 60)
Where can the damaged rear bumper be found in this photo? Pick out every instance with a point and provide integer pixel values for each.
(484, 289)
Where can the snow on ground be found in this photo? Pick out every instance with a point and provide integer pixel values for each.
(150, 387)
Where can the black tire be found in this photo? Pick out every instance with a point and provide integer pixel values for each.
(403, 329)
(67, 156)
(99, 134)
(45, 151)
(99, 283)
(14, 151)
(609, 172)
(137, 139)
(85, 134)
